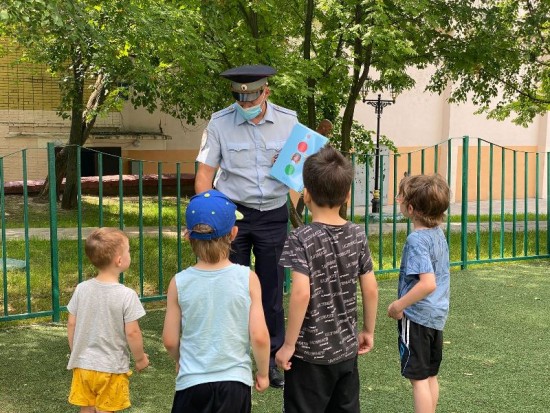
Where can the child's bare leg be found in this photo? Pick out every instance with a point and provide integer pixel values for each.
(92, 409)
(434, 390)
(422, 396)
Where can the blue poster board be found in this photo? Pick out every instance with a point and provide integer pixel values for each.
(301, 143)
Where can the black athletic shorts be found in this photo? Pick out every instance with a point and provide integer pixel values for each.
(420, 349)
(318, 388)
(215, 397)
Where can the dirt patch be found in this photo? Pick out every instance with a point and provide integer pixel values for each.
(14, 204)
(130, 184)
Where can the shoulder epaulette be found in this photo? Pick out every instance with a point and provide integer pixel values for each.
(223, 112)
(284, 110)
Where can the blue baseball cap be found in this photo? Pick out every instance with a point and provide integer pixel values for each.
(214, 209)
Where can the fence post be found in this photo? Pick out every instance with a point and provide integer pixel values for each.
(464, 211)
(53, 232)
(547, 202)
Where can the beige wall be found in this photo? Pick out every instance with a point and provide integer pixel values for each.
(487, 175)
(417, 120)
(182, 136)
(32, 130)
(421, 120)
(169, 158)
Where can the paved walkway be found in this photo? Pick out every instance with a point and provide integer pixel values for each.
(72, 233)
(456, 209)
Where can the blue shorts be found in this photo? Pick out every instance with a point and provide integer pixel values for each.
(420, 349)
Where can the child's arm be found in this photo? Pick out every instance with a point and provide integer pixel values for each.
(172, 323)
(369, 293)
(424, 287)
(259, 334)
(135, 342)
(71, 324)
(299, 301)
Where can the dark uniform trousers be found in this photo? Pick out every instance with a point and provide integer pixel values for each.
(264, 233)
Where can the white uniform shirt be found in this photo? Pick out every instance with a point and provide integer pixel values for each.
(245, 152)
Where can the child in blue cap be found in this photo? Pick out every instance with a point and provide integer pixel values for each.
(214, 315)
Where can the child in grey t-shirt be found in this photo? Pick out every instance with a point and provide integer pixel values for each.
(103, 322)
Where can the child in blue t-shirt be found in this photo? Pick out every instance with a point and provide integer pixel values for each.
(423, 291)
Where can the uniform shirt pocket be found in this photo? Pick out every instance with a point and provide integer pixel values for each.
(272, 148)
(239, 154)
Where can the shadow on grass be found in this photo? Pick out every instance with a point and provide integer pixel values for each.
(495, 353)
(33, 375)
(39, 212)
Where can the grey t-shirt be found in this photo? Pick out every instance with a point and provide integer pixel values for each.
(333, 256)
(101, 312)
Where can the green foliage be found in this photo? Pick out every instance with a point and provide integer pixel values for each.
(169, 53)
(499, 59)
(327, 51)
(362, 141)
(134, 44)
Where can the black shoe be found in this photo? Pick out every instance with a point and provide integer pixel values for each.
(276, 378)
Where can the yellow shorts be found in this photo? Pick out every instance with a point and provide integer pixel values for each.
(106, 391)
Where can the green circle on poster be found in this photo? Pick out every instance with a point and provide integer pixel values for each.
(289, 169)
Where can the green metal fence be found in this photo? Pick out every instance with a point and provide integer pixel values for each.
(501, 213)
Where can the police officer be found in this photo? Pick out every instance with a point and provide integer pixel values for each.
(237, 151)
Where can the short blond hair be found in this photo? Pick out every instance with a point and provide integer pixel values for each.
(103, 245)
(429, 195)
(212, 250)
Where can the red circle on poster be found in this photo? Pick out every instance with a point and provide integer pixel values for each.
(302, 146)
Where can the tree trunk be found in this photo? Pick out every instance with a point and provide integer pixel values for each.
(82, 122)
(60, 166)
(69, 199)
(81, 126)
(311, 82)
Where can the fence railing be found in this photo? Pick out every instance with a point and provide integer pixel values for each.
(500, 212)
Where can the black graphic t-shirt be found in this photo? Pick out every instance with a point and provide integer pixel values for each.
(333, 256)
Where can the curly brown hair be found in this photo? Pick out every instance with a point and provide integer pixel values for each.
(429, 196)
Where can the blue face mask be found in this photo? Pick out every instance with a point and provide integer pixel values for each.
(249, 113)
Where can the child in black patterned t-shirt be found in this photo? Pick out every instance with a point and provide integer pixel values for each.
(327, 258)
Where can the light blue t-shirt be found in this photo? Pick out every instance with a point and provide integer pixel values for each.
(245, 153)
(426, 251)
(214, 343)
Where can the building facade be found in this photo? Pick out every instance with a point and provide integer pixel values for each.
(417, 120)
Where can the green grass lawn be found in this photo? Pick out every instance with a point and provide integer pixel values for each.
(157, 273)
(495, 353)
(38, 212)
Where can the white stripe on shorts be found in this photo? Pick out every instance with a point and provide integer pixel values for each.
(405, 327)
